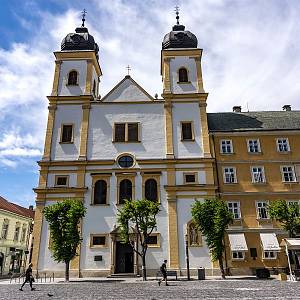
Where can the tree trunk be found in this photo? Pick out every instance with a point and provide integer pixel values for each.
(67, 271)
(144, 267)
(221, 267)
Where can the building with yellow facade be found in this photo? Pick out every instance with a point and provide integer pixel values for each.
(257, 160)
(15, 237)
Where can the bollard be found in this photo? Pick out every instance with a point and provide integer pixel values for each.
(45, 277)
(53, 276)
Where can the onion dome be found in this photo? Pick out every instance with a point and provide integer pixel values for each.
(80, 40)
(179, 37)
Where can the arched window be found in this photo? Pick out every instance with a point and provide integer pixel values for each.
(72, 78)
(183, 75)
(151, 190)
(125, 191)
(100, 192)
(194, 235)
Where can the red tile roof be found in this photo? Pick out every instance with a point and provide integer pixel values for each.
(14, 208)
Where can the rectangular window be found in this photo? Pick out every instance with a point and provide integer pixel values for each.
(258, 174)
(283, 145)
(23, 236)
(189, 178)
(187, 131)
(226, 146)
(4, 229)
(16, 235)
(269, 255)
(234, 208)
(253, 146)
(126, 132)
(61, 180)
(238, 255)
(66, 133)
(288, 174)
(98, 240)
(154, 240)
(229, 175)
(261, 208)
(294, 202)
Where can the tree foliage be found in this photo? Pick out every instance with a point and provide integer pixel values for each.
(287, 214)
(212, 218)
(63, 218)
(140, 216)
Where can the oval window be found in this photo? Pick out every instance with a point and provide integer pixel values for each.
(125, 161)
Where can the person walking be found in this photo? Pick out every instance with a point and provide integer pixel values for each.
(28, 277)
(163, 270)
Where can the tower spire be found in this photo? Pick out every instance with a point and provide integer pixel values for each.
(83, 14)
(177, 14)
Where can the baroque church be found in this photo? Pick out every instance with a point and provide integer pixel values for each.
(130, 145)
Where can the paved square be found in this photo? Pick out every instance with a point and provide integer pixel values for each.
(124, 289)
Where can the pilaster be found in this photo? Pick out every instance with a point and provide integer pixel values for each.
(169, 129)
(89, 76)
(84, 131)
(56, 78)
(204, 129)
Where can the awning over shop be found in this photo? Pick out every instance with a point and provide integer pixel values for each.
(292, 244)
(269, 242)
(237, 242)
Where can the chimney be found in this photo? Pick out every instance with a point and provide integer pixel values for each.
(31, 207)
(237, 109)
(287, 107)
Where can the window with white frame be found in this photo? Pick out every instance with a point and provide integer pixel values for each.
(288, 174)
(226, 146)
(234, 208)
(253, 146)
(269, 255)
(261, 208)
(238, 255)
(229, 175)
(294, 202)
(283, 145)
(258, 174)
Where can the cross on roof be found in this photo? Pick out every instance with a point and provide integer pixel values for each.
(83, 14)
(177, 13)
(128, 69)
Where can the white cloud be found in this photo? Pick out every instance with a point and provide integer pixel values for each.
(251, 56)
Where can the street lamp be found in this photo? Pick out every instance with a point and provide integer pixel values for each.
(187, 256)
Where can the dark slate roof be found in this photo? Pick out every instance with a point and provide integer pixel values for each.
(254, 121)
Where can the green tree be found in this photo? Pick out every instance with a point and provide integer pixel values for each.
(212, 218)
(287, 214)
(141, 216)
(64, 218)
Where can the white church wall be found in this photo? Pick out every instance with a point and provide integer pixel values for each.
(72, 179)
(66, 114)
(102, 119)
(72, 90)
(190, 64)
(199, 256)
(46, 262)
(187, 112)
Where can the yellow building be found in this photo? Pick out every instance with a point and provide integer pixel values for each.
(15, 236)
(257, 161)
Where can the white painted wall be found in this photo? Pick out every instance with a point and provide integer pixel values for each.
(81, 67)
(199, 256)
(66, 114)
(72, 179)
(187, 112)
(190, 64)
(102, 118)
(46, 262)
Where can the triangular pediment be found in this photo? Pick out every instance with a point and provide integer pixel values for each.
(127, 90)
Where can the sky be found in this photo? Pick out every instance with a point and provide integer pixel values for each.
(251, 57)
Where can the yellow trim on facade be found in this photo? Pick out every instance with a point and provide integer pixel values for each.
(106, 235)
(56, 78)
(204, 131)
(89, 77)
(84, 131)
(169, 130)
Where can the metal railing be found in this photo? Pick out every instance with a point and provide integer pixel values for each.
(39, 278)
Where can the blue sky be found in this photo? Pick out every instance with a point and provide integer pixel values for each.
(251, 58)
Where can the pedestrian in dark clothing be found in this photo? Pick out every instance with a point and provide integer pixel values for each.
(28, 277)
(163, 270)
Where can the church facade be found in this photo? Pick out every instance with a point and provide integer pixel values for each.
(130, 145)
(126, 145)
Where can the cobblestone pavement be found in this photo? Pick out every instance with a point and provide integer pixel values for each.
(122, 289)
